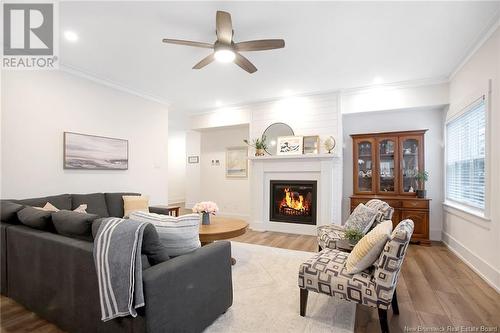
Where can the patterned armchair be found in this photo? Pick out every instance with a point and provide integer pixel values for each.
(328, 235)
(325, 273)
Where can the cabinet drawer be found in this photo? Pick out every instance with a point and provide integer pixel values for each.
(416, 204)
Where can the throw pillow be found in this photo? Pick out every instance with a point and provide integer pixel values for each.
(51, 208)
(152, 248)
(361, 218)
(179, 235)
(48, 207)
(368, 249)
(81, 209)
(9, 211)
(74, 224)
(133, 203)
(35, 218)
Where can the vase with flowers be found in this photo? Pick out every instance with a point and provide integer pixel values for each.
(205, 208)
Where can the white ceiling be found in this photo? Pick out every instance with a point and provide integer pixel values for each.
(329, 45)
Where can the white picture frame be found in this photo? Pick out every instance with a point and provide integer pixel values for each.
(237, 162)
(290, 145)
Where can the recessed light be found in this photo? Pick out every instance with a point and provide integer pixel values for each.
(378, 80)
(70, 36)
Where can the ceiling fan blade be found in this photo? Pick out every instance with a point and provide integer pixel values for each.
(188, 43)
(205, 61)
(224, 27)
(244, 63)
(259, 45)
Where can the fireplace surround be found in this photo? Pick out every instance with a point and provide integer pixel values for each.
(293, 201)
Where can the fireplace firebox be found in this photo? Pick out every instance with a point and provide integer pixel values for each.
(293, 201)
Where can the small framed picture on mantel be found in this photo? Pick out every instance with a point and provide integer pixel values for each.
(289, 145)
(311, 144)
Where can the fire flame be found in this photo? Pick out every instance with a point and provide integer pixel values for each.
(293, 200)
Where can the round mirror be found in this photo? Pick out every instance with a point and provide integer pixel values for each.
(273, 132)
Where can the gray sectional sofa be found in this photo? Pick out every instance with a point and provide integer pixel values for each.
(54, 276)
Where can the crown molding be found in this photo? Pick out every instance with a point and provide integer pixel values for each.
(397, 85)
(487, 32)
(92, 77)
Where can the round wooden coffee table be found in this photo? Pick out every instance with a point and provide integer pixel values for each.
(222, 228)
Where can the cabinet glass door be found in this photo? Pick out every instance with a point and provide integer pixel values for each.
(387, 168)
(364, 170)
(411, 162)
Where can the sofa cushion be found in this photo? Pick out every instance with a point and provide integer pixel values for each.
(62, 201)
(74, 224)
(368, 249)
(96, 203)
(114, 201)
(180, 235)
(36, 218)
(152, 248)
(361, 218)
(9, 211)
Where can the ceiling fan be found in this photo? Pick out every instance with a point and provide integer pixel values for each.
(225, 49)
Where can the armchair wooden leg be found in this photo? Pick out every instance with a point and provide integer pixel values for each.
(395, 307)
(382, 317)
(303, 301)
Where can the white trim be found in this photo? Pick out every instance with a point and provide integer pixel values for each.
(92, 77)
(467, 213)
(483, 36)
(482, 268)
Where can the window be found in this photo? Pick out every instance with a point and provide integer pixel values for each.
(466, 157)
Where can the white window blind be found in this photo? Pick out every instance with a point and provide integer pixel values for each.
(466, 155)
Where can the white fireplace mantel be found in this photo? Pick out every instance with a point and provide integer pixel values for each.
(326, 169)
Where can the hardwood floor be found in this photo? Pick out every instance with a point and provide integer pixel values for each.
(435, 289)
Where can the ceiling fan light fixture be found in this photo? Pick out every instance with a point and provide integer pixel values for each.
(224, 55)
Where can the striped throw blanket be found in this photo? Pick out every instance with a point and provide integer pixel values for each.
(117, 258)
(179, 235)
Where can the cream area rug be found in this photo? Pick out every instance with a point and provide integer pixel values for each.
(266, 296)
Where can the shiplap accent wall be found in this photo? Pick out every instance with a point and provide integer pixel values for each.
(307, 115)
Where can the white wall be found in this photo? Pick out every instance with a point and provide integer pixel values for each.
(193, 170)
(401, 120)
(232, 195)
(38, 106)
(475, 239)
(176, 166)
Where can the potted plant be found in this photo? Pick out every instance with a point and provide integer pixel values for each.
(205, 208)
(353, 235)
(421, 177)
(259, 144)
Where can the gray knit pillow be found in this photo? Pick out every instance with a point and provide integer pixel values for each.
(361, 218)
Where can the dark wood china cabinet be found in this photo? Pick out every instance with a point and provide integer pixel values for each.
(385, 166)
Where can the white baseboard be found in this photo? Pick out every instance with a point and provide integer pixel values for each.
(485, 270)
